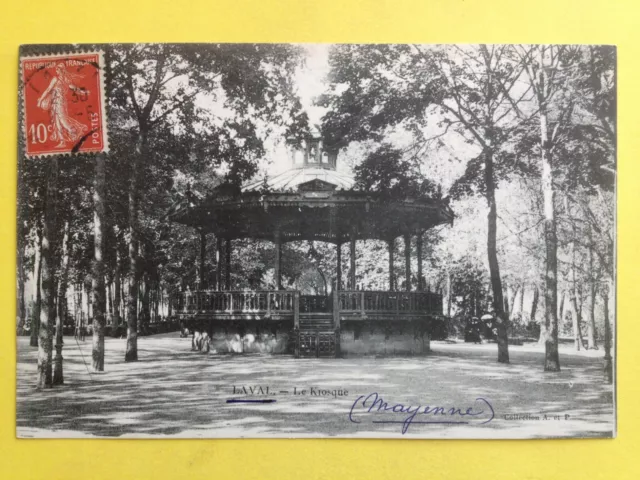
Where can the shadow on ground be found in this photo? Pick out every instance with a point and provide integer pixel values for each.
(172, 391)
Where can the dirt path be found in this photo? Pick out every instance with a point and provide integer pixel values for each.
(173, 391)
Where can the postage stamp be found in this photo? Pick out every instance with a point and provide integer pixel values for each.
(63, 104)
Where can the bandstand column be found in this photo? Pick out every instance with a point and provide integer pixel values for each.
(277, 239)
(203, 249)
(352, 259)
(339, 265)
(419, 255)
(407, 262)
(227, 264)
(391, 245)
(219, 263)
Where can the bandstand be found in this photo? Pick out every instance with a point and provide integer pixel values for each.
(312, 201)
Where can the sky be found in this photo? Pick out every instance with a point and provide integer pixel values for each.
(310, 83)
(311, 79)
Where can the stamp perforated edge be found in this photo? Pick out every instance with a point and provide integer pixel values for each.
(103, 102)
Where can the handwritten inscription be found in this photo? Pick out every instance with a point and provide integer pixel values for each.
(479, 412)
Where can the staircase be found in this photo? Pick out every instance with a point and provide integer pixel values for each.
(316, 337)
(316, 322)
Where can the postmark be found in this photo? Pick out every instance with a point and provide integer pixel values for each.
(63, 104)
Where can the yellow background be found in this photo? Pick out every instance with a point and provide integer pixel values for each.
(442, 21)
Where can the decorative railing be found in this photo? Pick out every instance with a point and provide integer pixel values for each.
(281, 302)
(363, 301)
(249, 302)
(315, 303)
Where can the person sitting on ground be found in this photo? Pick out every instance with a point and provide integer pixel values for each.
(205, 343)
(195, 341)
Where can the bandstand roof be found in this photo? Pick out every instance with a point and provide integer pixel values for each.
(313, 212)
(312, 201)
(294, 177)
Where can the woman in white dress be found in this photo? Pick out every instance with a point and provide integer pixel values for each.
(65, 128)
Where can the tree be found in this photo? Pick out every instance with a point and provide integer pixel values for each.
(157, 87)
(98, 278)
(37, 264)
(47, 312)
(575, 127)
(386, 171)
(467, 90)
(58, 375)
(538, 61)
(22, 242)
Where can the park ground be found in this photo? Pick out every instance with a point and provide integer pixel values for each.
(172, 391)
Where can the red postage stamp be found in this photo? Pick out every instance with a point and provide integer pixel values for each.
(63, 104)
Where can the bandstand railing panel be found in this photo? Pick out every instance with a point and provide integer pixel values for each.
(262, 302)
(315, 303)
(372, 302)
(270, 302)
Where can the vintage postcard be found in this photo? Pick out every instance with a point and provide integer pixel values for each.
(316, 240)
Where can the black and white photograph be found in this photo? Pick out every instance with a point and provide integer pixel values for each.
(316, 240)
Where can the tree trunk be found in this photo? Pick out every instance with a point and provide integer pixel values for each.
(35, 321)
(506, 305)
(511, 313)
(156, 300)
(561, 307)
(534, 311)
(227, 266)
(116, 294)
(145, 310)
(449, 300)
(87, 293)
(552, 359)
(219, 253)
(109, 293)
(576, 310)
(47, 312)
(575, 318)
(515, 292)
(77, 306)
(494, 267)
(391, 247)
(608, 361)
(58, 376)
(202, 277)
(521, 310)
(20, 302)
(124, 288)
(98, 283)
(592, 343)
(131, 354)
(591, 331)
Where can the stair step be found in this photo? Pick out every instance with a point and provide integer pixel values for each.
(316, 322)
